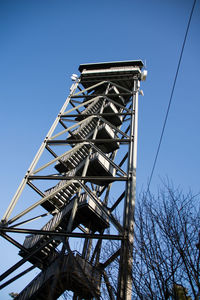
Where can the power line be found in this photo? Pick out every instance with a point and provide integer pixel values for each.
(171, 96)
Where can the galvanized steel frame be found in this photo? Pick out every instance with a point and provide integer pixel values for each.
(128, 195)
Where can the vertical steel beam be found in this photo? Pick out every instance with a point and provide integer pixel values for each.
(126, 257)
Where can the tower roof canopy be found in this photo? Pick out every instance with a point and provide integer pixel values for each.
(119, 72)
(112, 64)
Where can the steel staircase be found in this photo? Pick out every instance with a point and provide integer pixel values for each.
(94, 108)
(61, 202)
(61, 194)
(89, 211)
(75, 274)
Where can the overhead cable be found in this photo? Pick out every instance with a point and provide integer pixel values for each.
(171, 96)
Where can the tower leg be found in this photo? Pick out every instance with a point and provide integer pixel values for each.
(126, 257)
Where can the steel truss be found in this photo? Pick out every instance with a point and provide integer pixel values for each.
(80, 188)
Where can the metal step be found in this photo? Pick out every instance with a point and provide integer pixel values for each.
(86, 130)
(95, 107)
(56, 202)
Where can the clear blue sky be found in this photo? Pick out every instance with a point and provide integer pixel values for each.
(43, 42)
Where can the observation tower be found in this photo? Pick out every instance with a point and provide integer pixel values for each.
(78, 195)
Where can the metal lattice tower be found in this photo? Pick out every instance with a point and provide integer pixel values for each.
(78, 195)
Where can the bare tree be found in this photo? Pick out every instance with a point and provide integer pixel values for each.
(166, 255)
(166, 248)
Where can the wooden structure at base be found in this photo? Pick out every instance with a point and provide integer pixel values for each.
(74, 274)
